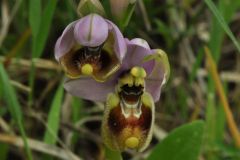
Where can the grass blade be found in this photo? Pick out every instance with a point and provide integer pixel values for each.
(222, 22)
(40, 30)
(34, 16)
(14, 106)
(213, 112)
(213, 70)
(50, 136)
(40, 41)
(77, 107)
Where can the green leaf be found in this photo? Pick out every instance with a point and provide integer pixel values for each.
(13, 106)
(183, 143)
(112, 155)
(128, 15)
(229, 152)
(34, 16)
(43, 30)
(50, 136)
(77, 107)
(40, 34)
(31, 82)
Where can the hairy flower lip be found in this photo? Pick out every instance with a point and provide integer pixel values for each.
(102, 64)
(127, 123)
(117, 128)
(91, 31)
(131, 109)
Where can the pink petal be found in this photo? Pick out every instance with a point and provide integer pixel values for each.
(65, 42)
(120, 46)
(137, 50)
(89, 89)
(91, 30)
(159, 74)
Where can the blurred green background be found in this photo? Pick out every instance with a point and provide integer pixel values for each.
(34, 105)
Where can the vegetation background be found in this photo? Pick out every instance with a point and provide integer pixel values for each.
(39, 120)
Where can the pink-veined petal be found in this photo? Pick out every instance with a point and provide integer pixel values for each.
(91, 30)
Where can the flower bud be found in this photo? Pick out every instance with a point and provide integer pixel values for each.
(86, 7)
(120, 7)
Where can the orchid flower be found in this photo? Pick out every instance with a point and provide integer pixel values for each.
(129, 114)
(91, 46)
(154, 62)
(130, 95)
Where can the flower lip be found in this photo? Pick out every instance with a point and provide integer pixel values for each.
(88, 61)
(134, 90)
(130, 89)
(92, 57)
(122, 130)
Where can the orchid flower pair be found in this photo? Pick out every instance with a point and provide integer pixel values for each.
(102, 65)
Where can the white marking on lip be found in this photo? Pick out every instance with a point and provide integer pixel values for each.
(131, 109)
